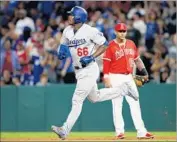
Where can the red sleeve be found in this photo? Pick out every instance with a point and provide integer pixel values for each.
(106, 66)
(107, 61)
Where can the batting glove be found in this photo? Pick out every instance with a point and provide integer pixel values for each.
(86, 60)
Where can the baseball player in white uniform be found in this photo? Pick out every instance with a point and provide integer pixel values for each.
(81, 39)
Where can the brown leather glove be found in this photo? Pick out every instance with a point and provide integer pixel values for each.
(140, 80)
(107, 83)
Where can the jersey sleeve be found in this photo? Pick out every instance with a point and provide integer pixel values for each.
(107, 54)
(106, 67)
(107, 61)
(97, 37)
(64, 39)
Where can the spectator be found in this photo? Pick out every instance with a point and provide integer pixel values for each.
(170, 17)
(43, 80)
(33, 43)
(66, 71)
(9, 59)
(46, 8)
(133, 33)
(164, 73)
(152, 30)
(33, 11)
(39, 62)
(4, 31)
(158, 64)
(51, 65)
(140, 25)
(26, 76)
(39, 24)
(7, 79)
(152, 25)
(2, 81)
(138, 8)
(172, 78)
(23, 22)
(16, 80)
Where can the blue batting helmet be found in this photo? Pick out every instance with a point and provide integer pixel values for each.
(79, 13)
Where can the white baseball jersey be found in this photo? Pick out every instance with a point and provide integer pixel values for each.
(82, 42)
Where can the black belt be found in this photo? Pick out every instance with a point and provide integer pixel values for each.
(125, 73)
(77, 67)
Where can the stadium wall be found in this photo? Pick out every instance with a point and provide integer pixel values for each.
(28, 108)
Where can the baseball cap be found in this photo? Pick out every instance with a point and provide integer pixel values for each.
(120, 27)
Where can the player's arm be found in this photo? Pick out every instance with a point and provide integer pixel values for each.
(143, 78)
(140, 65)
(66, 66)
(100, 50)
(98, 39)
(101, 41)
(63, 48)
(106, 67)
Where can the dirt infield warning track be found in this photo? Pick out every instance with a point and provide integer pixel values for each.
(157, 138)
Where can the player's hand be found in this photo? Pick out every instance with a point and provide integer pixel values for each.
(63, 73)
(140, 80)
(107, 83)
(86, 60)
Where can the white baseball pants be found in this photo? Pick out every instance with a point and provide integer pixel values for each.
(87, 87)
(121, 79)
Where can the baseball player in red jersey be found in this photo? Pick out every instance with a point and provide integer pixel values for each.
(118, 62)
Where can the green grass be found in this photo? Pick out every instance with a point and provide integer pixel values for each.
(74, 134)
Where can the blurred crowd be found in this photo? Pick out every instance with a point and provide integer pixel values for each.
(31, 32)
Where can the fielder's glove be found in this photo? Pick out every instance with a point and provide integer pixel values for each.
(86, 60)
(140, 80)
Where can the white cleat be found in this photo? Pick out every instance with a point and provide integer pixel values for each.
(59, 131)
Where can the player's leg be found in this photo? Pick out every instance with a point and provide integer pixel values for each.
(136, 115)
(81, 92)
(117, 116)
(136, 110)
(117, 105)
(83, 88)
(106, 93)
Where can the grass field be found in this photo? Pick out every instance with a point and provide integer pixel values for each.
(81, 136)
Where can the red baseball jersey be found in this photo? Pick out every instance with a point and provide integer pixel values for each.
(23, 55)
(120, 59)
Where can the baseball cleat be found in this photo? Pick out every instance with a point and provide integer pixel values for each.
(120, 136)
(59, 131)
(147, 136)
